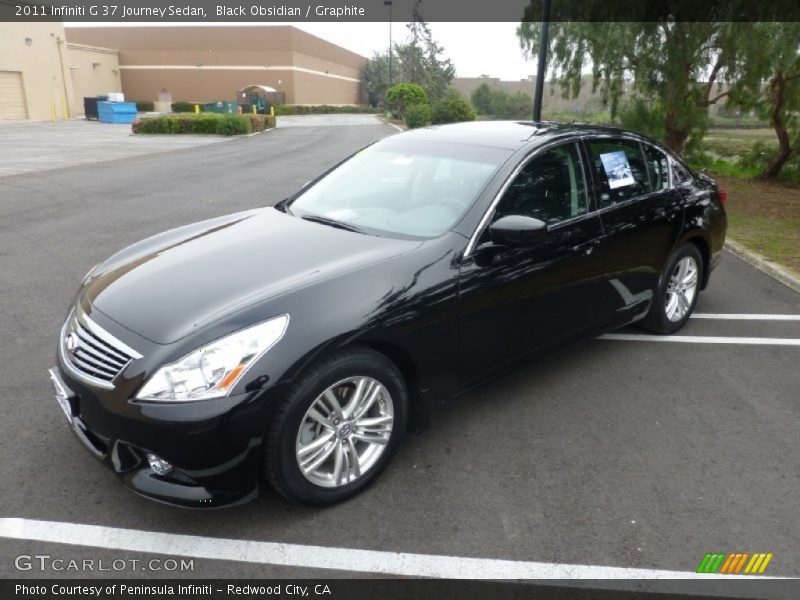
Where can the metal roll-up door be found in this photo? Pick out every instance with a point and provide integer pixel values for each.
(12, 96)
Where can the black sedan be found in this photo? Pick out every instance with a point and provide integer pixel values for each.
(299, 342)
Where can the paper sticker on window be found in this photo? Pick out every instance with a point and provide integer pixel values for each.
(617, 168)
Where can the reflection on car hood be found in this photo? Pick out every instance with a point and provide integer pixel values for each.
(167, 286)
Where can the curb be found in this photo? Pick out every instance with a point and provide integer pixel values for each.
(385, 122)
(785, 276)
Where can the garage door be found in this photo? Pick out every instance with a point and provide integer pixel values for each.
(12, 96)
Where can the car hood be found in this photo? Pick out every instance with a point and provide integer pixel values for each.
(169, 286)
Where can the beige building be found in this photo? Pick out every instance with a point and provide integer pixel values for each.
(43, 77)
(94, 71)
(200, 64)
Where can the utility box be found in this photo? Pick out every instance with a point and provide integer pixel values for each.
(116, 112)
(222, 107)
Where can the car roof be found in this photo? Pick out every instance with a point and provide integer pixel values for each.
(504, 134)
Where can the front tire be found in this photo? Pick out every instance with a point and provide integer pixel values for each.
(337, 428)
(677, 292)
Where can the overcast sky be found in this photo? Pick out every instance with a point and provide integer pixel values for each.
(475, 48)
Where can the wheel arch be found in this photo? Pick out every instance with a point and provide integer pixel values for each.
(419, 405)
(705, 253)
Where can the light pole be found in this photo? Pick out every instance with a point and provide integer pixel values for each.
(391, 52)
(540, 68)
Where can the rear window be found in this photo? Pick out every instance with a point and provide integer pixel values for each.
(620, 169)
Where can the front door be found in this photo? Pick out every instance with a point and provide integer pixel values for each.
(515, 300)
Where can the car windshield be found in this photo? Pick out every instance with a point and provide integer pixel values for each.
(412, 188)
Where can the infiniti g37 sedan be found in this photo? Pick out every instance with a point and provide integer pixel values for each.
(297, 343)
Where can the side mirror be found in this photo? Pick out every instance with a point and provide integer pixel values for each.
(516, 230)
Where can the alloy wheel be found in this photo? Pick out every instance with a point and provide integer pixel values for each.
(344, 432)
(681, 289)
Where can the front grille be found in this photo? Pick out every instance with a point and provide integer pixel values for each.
(92, 352)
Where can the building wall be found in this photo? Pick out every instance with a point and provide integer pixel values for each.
(37, 51)
(94, 71)
(213, 63)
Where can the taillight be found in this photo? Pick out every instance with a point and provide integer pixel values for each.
(723, 196)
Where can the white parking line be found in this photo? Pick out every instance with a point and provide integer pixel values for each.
(746, 317)
(318, 557)
(701, 339)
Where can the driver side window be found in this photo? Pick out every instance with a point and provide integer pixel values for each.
(550, 188)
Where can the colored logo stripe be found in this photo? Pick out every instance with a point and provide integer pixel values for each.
(732, 563)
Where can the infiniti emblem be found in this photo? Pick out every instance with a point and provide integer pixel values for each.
(345, 430)
(71, 342)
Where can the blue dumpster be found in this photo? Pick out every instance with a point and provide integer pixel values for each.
(116, 112)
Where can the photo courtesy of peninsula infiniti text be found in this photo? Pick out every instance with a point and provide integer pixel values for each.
(293, 346)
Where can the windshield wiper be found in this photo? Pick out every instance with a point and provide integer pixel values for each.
(332, 223)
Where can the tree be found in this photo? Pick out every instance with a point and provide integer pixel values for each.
(375, 78)
(419, 59)
(482, 99)
(770, 85)
(676, 66)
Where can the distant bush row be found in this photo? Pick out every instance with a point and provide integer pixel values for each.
(203, 123)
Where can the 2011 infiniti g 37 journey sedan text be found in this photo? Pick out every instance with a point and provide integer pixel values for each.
(298, 342)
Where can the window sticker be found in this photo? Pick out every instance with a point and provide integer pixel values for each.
(617, 168)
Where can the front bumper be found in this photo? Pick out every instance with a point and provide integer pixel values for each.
(214, 446)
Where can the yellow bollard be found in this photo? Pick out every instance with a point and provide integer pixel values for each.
(240, 110)
(254, 109)
(272, 111)
(52, 110)
(65, 109)
(197, 109)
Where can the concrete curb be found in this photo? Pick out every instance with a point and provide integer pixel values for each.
(782, 274)
(386, 122)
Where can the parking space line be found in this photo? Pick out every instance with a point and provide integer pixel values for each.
(745, 317)
(318, 557)
(701, 339)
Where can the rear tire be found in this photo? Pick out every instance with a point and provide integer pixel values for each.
(678, 289)
(337, 428)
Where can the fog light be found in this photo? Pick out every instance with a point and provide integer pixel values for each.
(159, 465)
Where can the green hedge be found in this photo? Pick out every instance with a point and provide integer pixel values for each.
(321, 109)
(145, 106)
(184, 107)
(203, 123)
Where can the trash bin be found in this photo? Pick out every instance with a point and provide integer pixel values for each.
(90, 108)
(116, 112)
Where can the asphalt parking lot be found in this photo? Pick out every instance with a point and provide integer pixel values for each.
(30, 146)
(620, 453)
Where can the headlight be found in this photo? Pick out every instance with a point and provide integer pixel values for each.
(213, 370)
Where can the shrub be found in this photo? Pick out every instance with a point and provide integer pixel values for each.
(402, 95)
(453, 109)
(203, 123)
(145, 106)
(418, 115)
(503, 105)
(183, 107)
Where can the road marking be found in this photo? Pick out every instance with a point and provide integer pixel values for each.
(318, 557)
(701, 339)
(745, 317)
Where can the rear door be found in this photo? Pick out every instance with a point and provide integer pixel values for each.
(641, 215)
(515, 300)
